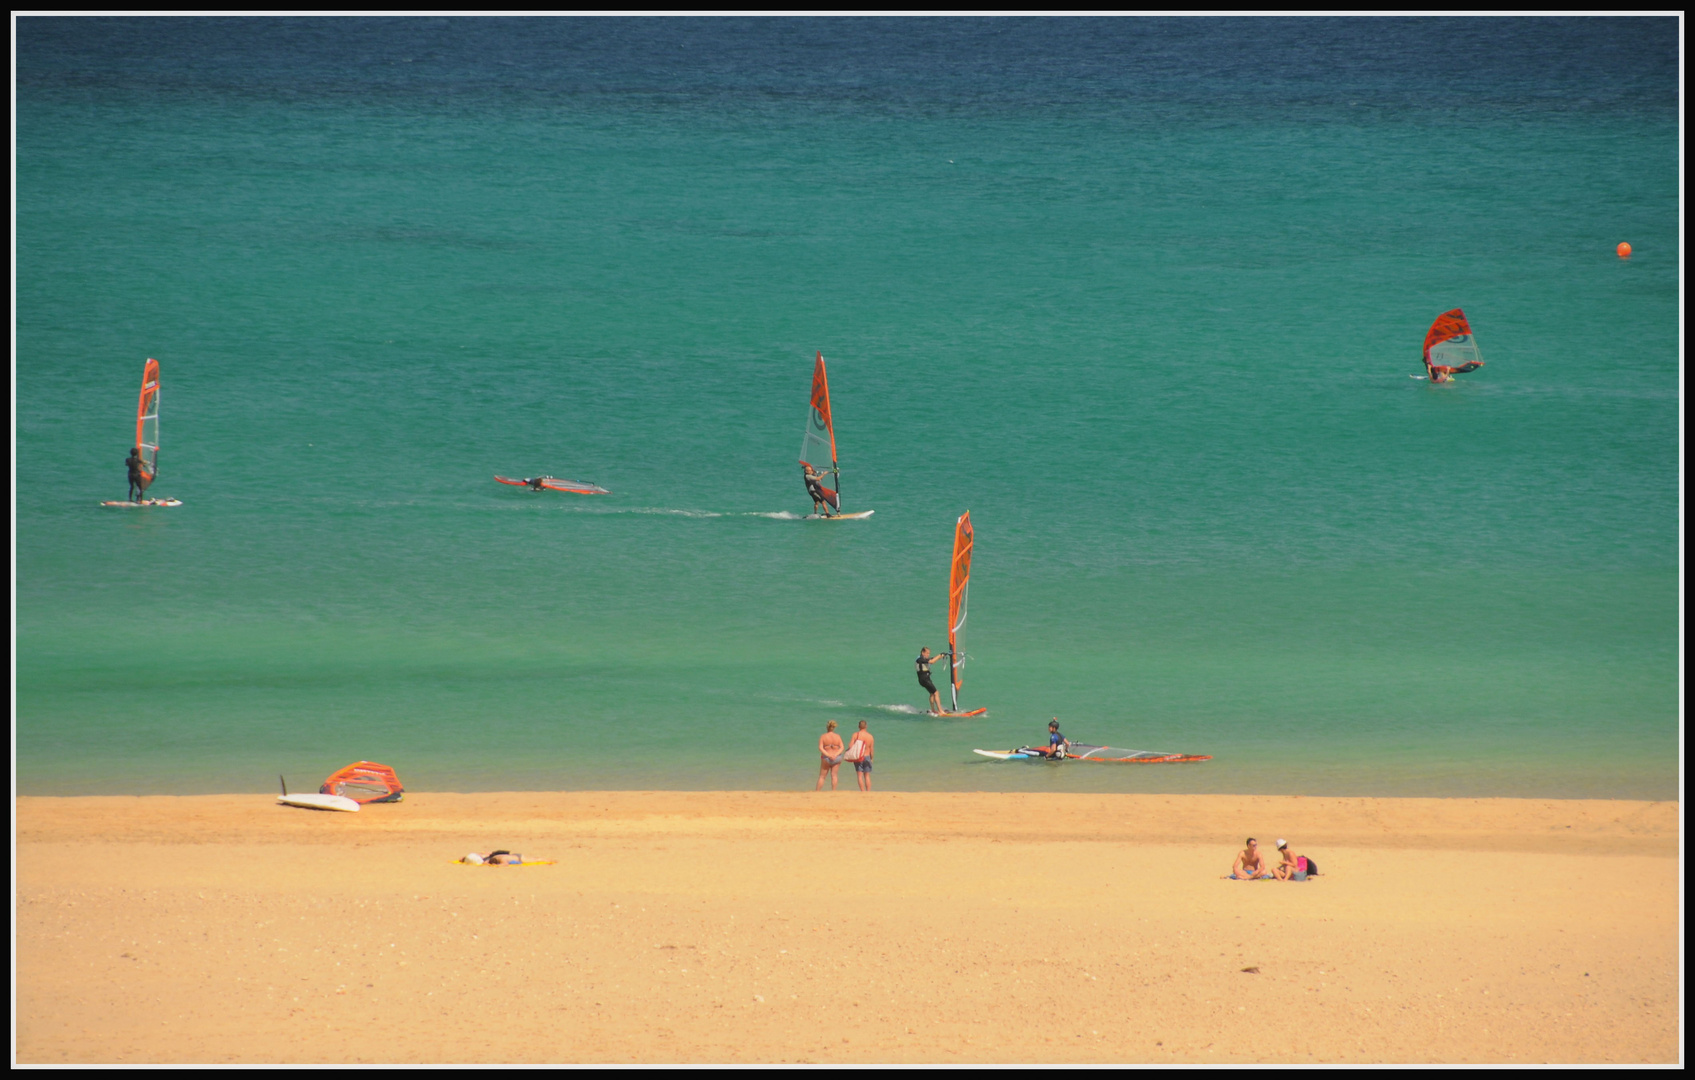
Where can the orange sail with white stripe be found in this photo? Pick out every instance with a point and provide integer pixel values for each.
(959, 589)
(147, 422)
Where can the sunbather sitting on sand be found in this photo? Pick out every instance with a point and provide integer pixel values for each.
(493, 858)
(1291, 862)
(1249, 865)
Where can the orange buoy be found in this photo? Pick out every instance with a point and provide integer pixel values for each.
(1624, 251)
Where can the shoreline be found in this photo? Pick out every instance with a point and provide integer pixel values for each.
(894, 927)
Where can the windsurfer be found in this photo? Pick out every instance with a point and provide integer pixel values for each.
(1441, 373)
(815, 488)
(534, 482)
(137, 473)
(925, 659)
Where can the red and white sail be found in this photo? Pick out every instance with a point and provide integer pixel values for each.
(818, 443)
(1449, 342)
(959, 590)
(147, 422)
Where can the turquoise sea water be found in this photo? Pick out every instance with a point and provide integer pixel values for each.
(1141, 295)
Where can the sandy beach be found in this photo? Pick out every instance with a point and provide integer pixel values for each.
(778, 927)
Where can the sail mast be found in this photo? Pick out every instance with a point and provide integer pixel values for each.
(959, 587)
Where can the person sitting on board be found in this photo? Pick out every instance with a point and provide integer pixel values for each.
(924, 661)
(493, 858)
(534, 482)
(1058, 745)
(829, 756)
(1249, 865)
(137, 477)
(815, 488)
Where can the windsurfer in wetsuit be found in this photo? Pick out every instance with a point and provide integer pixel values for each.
(1058, 744)
(815, 488)
(137, 474)
(535, 482)
(925, 659)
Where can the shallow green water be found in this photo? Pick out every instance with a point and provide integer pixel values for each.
(1154, 333)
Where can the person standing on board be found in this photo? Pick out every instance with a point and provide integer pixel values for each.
(862, 763)
(829, 756)
(815, 488)
(923, 664)
(137, 477)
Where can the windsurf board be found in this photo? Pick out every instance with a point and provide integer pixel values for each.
(839, 517)
(145, 502)
(319, 802)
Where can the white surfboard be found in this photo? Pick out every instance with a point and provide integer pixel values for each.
(145, 502)
(319, 802)
(839, 517)
(1001, 755)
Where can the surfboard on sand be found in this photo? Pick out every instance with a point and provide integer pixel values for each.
(315, 801)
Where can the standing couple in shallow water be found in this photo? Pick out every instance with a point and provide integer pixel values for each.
(858, 754)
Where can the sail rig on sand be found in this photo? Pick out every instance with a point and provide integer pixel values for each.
(818, 444)
(959, 590)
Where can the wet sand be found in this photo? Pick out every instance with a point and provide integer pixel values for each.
(779, 927)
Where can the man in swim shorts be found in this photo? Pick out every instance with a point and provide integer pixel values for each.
(815, 488)
(862, 765)
(1249, 865)
(923, 662)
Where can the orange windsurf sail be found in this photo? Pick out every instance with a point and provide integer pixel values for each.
(364, 782)
(147, 422)
(959, 588)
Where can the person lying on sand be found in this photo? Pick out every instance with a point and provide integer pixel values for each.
(493, 858)
(1249, 865)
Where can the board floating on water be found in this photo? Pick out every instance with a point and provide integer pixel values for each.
(861, 516)
(553, 483)
(973, 712)
(1109, 755)
(143, 503)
